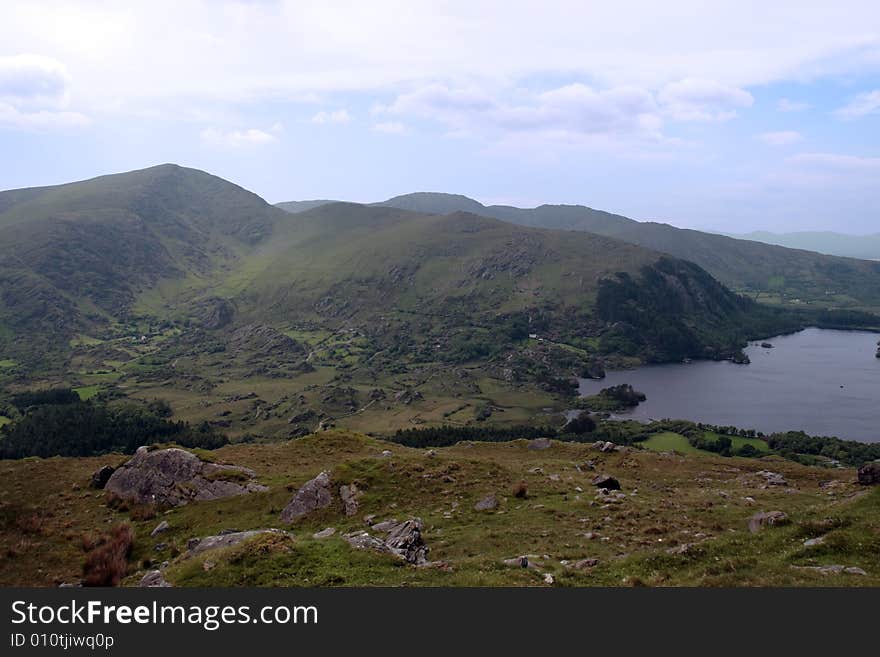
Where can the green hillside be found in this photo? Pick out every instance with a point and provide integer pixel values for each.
(771, 273)
(76, 257)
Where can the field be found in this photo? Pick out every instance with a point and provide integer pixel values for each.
(669, 441)
(682, 520)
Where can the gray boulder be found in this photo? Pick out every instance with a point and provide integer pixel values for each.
(404, 540)
(767, 519)
(196, 546)
(773, 478)
(488, 503)
(314, 494)
(161, 527)
(153, 579)
(172, 477)
(539, 443)
(349, 495)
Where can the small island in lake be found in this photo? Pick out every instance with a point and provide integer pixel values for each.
(615, 398)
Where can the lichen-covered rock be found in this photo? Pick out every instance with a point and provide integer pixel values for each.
(197, 546)
(313, 495)
(172, 477)
(349, 494)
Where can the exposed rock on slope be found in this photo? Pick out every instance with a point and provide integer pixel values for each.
(314, 494)
(261, 340)
(172, 477)
(404, 539)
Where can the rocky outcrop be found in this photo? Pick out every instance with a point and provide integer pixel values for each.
(767, 519)
(153, 579)
(772, 478)
(604, 446)
(313, 495)
(488, 503)
(349, 494)
(258, 340)
(196, 546)
(869, 474)
(172, 477)
(215, 313)
(160, 528)
(606, 482)
(101, 476)
(539, 443)
(408, 396)
(403, 539)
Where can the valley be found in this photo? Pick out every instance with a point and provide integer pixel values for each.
(167, 306)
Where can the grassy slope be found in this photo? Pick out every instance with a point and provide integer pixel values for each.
(78, 255)
(670, 500)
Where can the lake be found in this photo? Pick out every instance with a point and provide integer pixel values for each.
(824, 382)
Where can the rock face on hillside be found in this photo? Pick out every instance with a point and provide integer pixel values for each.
(196, 546)
(258, 340)
(403, 539)
(215, 313)
(172, 477)
(314, 494)
(869, 474)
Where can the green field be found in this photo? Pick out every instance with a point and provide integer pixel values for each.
(4, 420)
(670, 442)
(7, 363)
(87, 392)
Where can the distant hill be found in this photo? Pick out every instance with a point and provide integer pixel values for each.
(179, 244)
(839, 244)
(749, 266)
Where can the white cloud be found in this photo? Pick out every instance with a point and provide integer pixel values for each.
(788, 105)
(391, 127)
(781, 138)
(33, 94)
(861, 105)
(573, 109)
(294, 48)
(336, 116)
(32, 80)
(40, 119)
(694, 99)
(238, 138)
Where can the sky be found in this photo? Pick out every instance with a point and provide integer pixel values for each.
(728, 116)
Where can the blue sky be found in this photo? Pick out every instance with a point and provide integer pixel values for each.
(732, 117)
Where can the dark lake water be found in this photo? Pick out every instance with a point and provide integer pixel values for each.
(826, 383)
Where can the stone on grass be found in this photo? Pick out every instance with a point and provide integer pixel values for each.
(313, 495)
(767, 519)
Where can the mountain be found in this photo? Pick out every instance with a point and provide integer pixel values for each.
(79, 255)
(178, 245)
(839, 244)
(789, 275)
